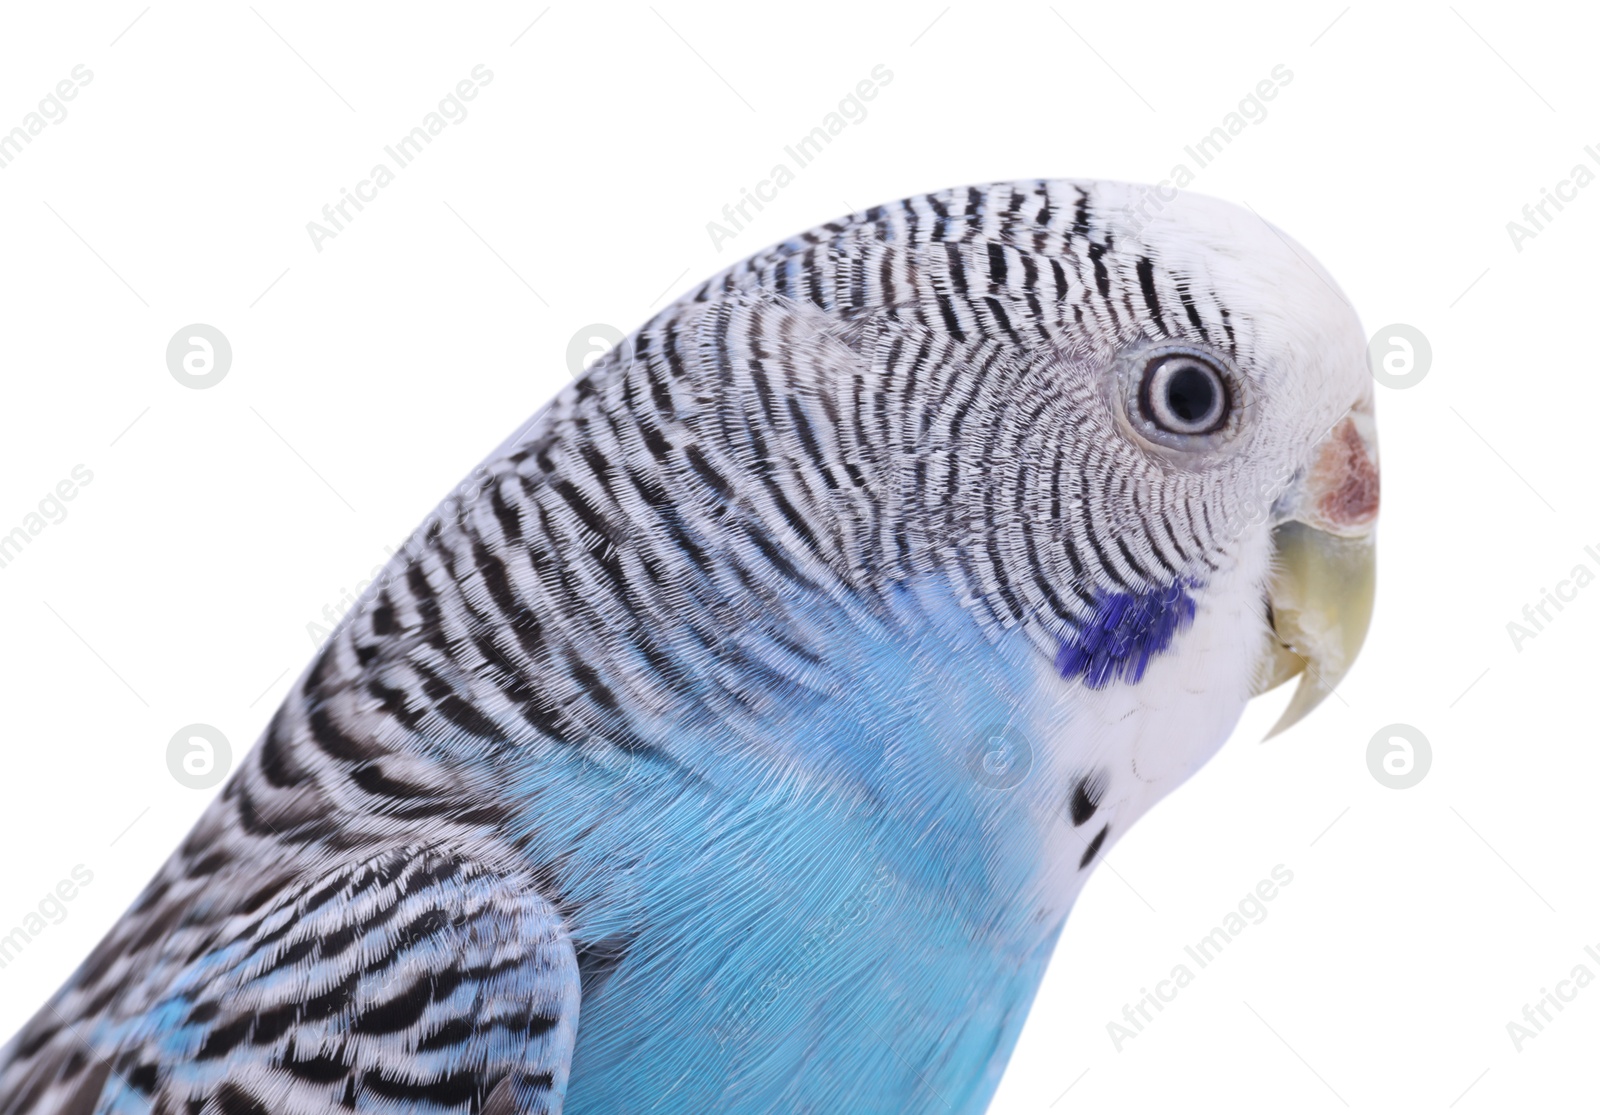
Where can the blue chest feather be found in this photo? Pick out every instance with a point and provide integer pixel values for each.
(850, 902)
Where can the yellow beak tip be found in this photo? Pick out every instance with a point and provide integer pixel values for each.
(1321, 596)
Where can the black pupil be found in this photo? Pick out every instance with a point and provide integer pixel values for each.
(1191, 394)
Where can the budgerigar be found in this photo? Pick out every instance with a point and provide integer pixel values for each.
(739, 735)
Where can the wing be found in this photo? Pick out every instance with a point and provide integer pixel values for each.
(414, 982)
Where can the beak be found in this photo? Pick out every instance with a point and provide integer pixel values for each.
(1320, 596)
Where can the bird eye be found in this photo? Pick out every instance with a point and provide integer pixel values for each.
(1184, 394)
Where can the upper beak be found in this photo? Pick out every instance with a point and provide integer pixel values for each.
(1323, 579)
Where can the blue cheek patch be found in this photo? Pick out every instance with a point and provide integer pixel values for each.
(1126, 631)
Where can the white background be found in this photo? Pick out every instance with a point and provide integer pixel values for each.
(369, 377)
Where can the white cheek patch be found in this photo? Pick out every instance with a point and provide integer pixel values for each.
(1116, 750)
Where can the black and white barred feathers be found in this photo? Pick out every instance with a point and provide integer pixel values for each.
(692, 664)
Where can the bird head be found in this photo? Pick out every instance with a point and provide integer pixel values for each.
(1097, 411)
(1248, 379)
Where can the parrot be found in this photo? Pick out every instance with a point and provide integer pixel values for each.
(738, 736)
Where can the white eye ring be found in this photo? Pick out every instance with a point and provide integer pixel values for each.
(1187, 403)
(1184, 394)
